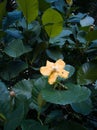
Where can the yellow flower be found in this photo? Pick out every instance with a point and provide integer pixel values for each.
(53, 70)
(69, 2)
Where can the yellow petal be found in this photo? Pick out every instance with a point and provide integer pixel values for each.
(49, 64)
(60, 64)
(46, 71)
(52, 78)
(63, 73)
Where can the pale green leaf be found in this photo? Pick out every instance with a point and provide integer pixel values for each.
(53, 22)
(29, 9)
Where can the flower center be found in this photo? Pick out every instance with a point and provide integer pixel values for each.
(55, 68)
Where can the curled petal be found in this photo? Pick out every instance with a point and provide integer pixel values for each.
(46, 71)
(63, 73)
(53, 77)
(60, 64)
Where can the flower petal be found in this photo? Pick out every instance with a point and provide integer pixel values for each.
(53, 77)
(46, 71)
(60, 64)
(63, 73)
(49, 64)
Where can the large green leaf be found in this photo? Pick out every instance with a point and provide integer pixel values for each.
(32, 125)
(84, 107)
(4, 99)
(87, 73)
(29, 9)
(16, 48)
(74, 94)
(53, 22)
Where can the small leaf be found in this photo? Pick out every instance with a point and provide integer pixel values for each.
(24, 88)
(14, 33)
(74, 94)
(11, 17)
(87, 73)
(16, 48)
(92, 35)
(4, 99)
(29, 9)
(93, 44)
(53, 22)
(87, 21)
(54, 54)
(70, 69)
(84, 107)
(81, 37)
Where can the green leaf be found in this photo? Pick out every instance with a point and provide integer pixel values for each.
(91, 35)
(69, 125)
(81, 36)
(53, 22)
(93, 45)
(15, 118)
(12, 69)
(24, 88)
(4, 99)
(32, 125)
(54, 54)
(40, 101)
(2, 9)
(2, 117)
(2, 34)
(87, 73)
(74, 94)
(53, 115)
(29, 9)
(38, 50)
(37, 99)
(70, 69)
(84, 107)
(16, 48)
(43, 5)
